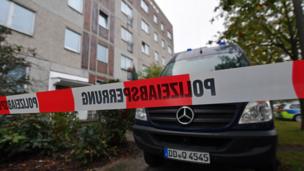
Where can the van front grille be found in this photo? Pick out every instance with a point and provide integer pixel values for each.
(206, 116)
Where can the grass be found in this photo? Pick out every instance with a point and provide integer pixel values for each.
(290, 133)
(291, 145)
(291, 160)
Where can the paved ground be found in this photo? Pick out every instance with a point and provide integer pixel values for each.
(136, 163)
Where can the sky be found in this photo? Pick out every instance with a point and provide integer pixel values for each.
(191, 22)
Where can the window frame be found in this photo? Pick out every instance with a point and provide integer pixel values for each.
(121, 34)
(145, 46)
(144, 6)
(156, 56)
(155, 37)
(163, 44)
(170, 50)
(125, 58)
(155, 19)
(107, 20)
(162, 27)
(71, 48)
(8, 22)
(75, 8)
(144, 23)
(128, 6)
(169, 35)
(100, 58)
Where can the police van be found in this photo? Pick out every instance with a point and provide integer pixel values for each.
(234, 134)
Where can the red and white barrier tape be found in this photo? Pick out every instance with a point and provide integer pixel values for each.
(264, 82)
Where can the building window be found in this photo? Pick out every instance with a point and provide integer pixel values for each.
(144, 70)
(156, 56)
(144, 26)
(144, 6)
(76, 4)
(103, 20)
(162, 43)
(72, 40)
(169, 35)
(170, 50)
(126, 35)
(145, 48)
(155, 19)
(126, 63)
(17, 74)
(156, 37)
(163, 61)
(162, 27)
(126, 9)
(16, 17)
(102, 53)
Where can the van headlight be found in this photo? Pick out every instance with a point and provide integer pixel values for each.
(256, 112)
(141, 114)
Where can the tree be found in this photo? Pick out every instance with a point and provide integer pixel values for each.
(152, 71)
(12, 65)
(265, 29)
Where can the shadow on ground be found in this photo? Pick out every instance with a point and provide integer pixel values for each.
(138, 164)
(135, 162)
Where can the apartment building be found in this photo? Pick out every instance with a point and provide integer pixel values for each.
(146, 36)
(85, 42)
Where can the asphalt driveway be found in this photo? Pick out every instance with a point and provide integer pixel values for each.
(135, 162)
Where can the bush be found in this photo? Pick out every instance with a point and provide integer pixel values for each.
(116, 124)
(91, 143)
(30, 134)
(63, 135)
(64, 127)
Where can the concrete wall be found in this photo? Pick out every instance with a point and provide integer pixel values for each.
(51, 19)
(140, 59)
(54, 16)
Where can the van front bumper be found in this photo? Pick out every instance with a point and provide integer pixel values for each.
(233, 148)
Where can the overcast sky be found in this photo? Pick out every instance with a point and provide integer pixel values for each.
(191, 22)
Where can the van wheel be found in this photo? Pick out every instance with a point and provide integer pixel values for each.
(153, 160)
(298, 118)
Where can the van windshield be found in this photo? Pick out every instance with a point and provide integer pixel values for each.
(205, 63)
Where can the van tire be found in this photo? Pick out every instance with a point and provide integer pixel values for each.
(153, 160)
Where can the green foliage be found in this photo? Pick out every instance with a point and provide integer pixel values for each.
(152, 71)
(265, 29)
(290, 144)
(116, 124)
(91, 143)
(36, 129)
(289, 133)
(63, 135)
(12, 65)
(28, 134)
(64, 127)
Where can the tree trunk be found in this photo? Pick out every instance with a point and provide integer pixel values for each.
(302, 112)
(300, 23)
(300, 27)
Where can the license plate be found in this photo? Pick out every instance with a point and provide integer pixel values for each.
(191, 156)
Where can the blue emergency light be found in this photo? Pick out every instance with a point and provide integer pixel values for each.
(221, 43)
